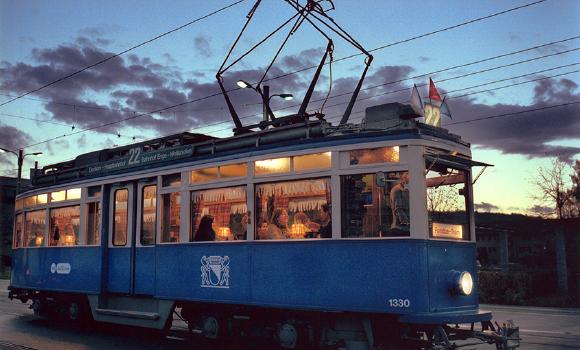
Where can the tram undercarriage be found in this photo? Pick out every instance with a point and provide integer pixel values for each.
(287, 329)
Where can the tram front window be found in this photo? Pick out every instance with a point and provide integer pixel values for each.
(375, 205)
(447, 202)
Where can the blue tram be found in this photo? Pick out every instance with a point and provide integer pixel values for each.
(352, 235)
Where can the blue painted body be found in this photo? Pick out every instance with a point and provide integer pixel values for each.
(145, 270)
(32, 269)
(119, 270)
(340, 275)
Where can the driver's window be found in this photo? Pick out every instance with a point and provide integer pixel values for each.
(447, 202)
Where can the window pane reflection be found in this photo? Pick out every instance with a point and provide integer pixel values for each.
(148, 215)
(121, 213)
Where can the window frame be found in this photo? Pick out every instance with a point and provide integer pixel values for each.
(290, 178)
(139, 224)
(469, 212)
(190, 232)
(111, 223)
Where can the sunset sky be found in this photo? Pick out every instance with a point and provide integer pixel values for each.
(41, 41)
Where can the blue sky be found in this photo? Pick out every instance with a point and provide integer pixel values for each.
(39, 41)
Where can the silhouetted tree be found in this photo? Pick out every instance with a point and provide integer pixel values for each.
(553, 187)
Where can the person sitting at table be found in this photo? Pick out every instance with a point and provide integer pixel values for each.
(325, 230)
(278, 227)
(205, 230)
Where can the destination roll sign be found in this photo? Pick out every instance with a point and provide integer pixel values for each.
(137, 157)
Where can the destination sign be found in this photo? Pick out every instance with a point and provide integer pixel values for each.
(137, 157)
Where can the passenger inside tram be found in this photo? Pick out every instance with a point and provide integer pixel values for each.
(293, 210)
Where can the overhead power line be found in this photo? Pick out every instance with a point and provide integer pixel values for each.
(408, 89)
(298, 71)
(505, 115)
(123, 52)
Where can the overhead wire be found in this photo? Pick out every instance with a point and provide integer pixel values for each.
(298, 71)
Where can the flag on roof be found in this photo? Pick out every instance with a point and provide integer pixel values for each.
(416, 102)
(433, 93)
(444, 109)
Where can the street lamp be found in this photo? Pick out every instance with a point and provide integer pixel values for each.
(20, 156)
(265, 94)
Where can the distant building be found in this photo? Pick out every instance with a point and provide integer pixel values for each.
(7, 198)
(519, 242)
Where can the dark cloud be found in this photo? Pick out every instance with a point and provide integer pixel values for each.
(543, 211)
(12, 139)
(486, 207)
(202, 46)
(528, 134)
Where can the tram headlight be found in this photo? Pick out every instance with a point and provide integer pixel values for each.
(465, 283)
(462, 282)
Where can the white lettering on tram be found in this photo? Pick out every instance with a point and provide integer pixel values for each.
(60, 268)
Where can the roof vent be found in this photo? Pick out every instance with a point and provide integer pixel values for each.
(389, 116)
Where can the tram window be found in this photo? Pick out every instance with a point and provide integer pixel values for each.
(293, 210)
(64, 226)
(148, 215)
(30, 201)
(93, 225)
(447, 203)
(41, 199)
(372, 208)
(121, 214)
(272, 166)
(17, 240)
(73, 193)
(58, 196)
(219, 214)
(170, 220)
(233, 170)
(19, 204)
(171, 180)
(312, 162)
(374, 155)
(204, 175)
(34, 228)
(94, 191)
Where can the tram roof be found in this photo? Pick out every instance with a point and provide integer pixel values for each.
(187, 147)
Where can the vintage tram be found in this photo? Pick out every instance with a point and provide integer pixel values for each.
(354, 235)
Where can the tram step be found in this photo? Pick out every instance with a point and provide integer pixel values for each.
(129, 314)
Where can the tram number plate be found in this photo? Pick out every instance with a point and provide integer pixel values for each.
(399, 303)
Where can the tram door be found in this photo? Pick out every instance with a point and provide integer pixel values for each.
(132, 227)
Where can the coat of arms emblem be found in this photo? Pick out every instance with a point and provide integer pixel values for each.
(215, 271)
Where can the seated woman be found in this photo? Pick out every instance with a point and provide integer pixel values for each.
(205, 230)
(278, 227)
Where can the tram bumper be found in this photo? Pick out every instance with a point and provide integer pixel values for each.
(505, 337)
